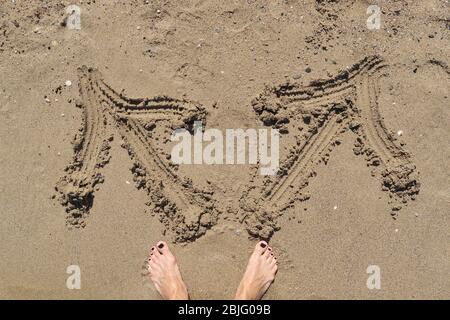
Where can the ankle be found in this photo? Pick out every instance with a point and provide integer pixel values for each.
(180, 293)
(241, 294)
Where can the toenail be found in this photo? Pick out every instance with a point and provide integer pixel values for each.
(161, 245)
(263, 245)
(153, 248)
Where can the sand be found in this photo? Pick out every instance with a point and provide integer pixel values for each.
(86, 173)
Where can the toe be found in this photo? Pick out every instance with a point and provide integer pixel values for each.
(151, 265)
(155, 256)
(274, 268)
(261, 247)
(272, 261)
(155, 267)
(266, 254)
(162, 247)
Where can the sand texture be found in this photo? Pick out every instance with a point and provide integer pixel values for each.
(363, 118)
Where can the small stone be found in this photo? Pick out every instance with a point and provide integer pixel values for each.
(399, 133)
(127, 182)
(150, 126)
(62, 114)
(158, 11)
(237, 232)
(296, 76)
(396, 230)
(308, 70)
(335, 207)
(68, 83)
(354, 125)
(138, 27)
(47, 100)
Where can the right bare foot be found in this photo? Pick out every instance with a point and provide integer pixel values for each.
(260, 273)
(165, 274)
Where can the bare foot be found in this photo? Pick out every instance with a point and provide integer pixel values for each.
(165, 274)
(260, 273)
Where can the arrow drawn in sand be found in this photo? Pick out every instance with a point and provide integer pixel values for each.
(185, 210)
(318, 115)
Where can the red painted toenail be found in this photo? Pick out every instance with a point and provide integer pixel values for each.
(153, 248)
(263, 245)
(161, 245)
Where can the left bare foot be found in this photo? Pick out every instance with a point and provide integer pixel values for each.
(165, 274)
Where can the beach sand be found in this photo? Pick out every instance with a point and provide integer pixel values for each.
(86, 176)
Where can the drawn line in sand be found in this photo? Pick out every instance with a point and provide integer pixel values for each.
(313, 116)
(316, 116)
(185, 210)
